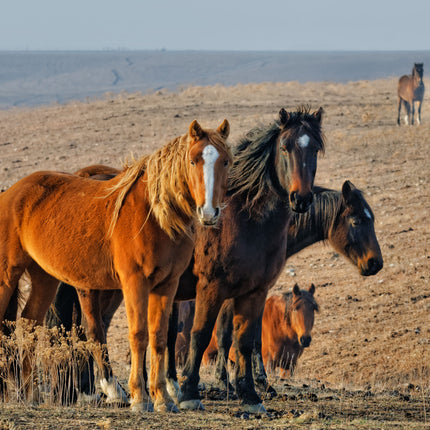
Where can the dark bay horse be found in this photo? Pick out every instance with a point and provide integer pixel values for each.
(133, 232)
(272, 176)
(410, 90)
(342, 218)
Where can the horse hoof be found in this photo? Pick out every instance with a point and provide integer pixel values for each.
(114, 392)
(254, 409)
(173, 389)
(192, 405)
(142, 407)
(169, 407)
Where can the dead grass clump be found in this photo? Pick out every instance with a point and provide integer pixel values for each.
(55, 357)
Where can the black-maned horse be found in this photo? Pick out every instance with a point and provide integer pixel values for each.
(343, 219)
(410, 90)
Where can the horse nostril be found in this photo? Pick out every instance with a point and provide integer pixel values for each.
(305, 341)
(373, 265)
(293, 197)
(217, 212)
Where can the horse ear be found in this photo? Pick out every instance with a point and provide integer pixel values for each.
(224, 129)
(296, 290)
(284, 116)
(318, 114)
(195, 131)
(312, 289)
(347, 189)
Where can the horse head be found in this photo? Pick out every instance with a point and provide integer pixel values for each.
(209, 159)
(300, 140)
(354, 234)
(303, 307)
(418, 72)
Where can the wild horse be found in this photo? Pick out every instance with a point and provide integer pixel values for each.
(133, 232)
(409, 91)
(345, 220)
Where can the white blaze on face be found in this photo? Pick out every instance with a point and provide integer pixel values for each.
(210, 155)
(367, 213)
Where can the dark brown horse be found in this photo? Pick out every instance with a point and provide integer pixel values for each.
(272, 175)
(343, 219)
(410, 91)
(133, 232)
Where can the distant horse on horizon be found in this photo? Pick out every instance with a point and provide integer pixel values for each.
(410, 90)
(134, 232)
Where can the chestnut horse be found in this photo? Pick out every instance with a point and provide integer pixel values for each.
(287, 324)
(410, 90)
(342, 218)
(133, 232)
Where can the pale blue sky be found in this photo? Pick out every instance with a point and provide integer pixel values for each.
(215, 25)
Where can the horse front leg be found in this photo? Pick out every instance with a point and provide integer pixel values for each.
(208, 303)
(247, 312)
(96, 330)
(159, 309)
(412, 112)
(136, 292)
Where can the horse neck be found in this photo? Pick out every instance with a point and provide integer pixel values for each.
(313, 226)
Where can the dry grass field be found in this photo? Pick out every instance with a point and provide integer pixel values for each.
(369, 362)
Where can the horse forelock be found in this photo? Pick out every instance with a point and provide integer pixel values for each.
(289, 302)
(303, 121)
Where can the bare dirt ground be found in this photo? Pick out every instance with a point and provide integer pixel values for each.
(369, 362)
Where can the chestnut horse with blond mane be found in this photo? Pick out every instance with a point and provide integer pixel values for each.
(133, 232)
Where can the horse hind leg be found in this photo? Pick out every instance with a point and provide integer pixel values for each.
(95, 329)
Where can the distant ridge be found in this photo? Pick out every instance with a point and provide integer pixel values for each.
(31, 78)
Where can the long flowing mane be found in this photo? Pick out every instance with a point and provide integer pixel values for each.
(253, 174)
(166, 176)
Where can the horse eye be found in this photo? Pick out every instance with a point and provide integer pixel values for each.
(192, 163)
(225, 163)
(355, 222)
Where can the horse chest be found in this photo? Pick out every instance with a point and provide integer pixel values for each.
(246, 254)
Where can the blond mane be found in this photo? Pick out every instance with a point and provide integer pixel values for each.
(166, 176)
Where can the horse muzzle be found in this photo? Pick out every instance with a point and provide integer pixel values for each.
(300, 203)
(305, 341)
(371, 266)
(208, 217)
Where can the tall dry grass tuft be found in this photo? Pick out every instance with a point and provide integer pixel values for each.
(54, 356)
